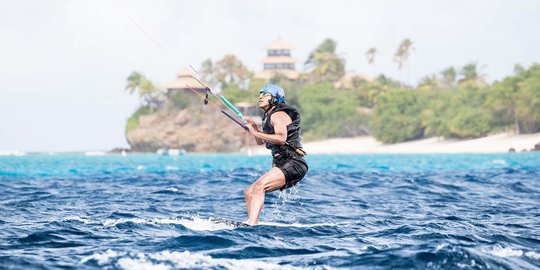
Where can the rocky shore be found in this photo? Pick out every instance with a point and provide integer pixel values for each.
(192, 130)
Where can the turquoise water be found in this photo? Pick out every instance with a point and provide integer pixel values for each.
(72, 211)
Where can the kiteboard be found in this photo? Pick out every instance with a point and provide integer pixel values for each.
(228, 222)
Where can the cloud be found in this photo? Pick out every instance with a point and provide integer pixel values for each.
(64, 63)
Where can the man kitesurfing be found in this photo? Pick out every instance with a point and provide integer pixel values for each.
(281, 134)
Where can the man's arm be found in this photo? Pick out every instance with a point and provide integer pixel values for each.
(279, 121)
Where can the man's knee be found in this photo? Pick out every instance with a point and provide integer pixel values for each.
(259, 187)
(248, 192)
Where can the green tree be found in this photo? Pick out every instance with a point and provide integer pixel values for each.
(448, 77)
(370, 56)
(472, 76)
(148, 94)
(147, 91)
(324, 64)
(397, 116)
(231, 70)
(326, 112)
(369, 92)
(467, 117)
(403, 52)
(502, 102)
(134, 82)
(528, 100)
(429, 83)
(469, 123)
(435, 112)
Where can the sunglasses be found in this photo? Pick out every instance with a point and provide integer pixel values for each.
(265, 94)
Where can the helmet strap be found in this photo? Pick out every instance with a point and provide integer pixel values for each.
(269, 109)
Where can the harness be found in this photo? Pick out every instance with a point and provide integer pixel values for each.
(292, 146)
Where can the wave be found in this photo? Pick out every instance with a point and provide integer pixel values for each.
(297, 225)
(504, 252)
(13, 153)
(177, 260)
(193, 223)
(477, 214)
(95, 153)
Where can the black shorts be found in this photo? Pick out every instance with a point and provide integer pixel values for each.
(294, 169)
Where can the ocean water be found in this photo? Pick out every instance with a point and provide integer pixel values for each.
(351, 212)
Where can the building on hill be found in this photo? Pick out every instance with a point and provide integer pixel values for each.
(184, 80)
(179, 92)
(278, 61)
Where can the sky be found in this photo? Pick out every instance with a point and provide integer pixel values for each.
(64, 63)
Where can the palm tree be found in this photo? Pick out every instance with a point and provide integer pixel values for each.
(134, 82)
(324, 64)
(402, 54)
(370, 55)
(472, 76)
(328, 46)
(448, 76)
(137, 82)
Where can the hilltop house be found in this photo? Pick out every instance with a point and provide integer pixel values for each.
(278, 61)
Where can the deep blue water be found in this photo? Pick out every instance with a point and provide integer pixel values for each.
(351, 211)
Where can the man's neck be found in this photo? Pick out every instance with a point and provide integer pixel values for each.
(270, 108)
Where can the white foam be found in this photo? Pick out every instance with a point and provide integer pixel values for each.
(440, 246)
(140, 264)
(499, 161)
(167, 260)
(533, 255)
(15, 153)
(199, 224)
(114, 222)
(102, 258)
(94, 153)
(173, 189)
(505, 252)
(80, 219)
(195, 223)
(140, 168)
(297, 225)
(171, 168)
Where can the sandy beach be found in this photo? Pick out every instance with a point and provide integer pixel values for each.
(499, 143)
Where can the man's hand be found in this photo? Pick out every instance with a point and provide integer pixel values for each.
(251, 129)
(252, 126)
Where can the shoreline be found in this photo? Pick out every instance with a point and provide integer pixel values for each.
(498, 143)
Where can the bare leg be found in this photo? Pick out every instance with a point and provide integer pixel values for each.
(272, 180)
(247, 197)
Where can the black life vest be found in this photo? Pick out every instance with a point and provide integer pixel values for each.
(293, 129)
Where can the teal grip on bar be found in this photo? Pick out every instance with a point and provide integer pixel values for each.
(234, 109)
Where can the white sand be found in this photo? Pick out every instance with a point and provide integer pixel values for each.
(499, 143)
